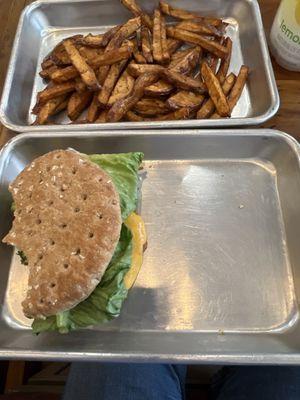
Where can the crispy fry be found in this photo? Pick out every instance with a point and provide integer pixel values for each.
(55, 90)
(184, 82)
(93, 109)
(194, 38)
(173, 45)
(179, 80)
(185, 99)
(184, 14)
(138, 56)
(188, 61)
(112, 56)
(77, 103)
(60, 56)
(86, 72)
(121, 107)
(80, 86)
(238, 87)
(156, 37)
(60, 75)
(100, 40)
(110, 82)
(178, 54)
(146, 44)
(133, 117)
(62, 106)
(182, 113)
(137, 11)
(139, 69)
(102, 117)
(164, 44)
(200, 27)
(102, 74)
(47, 63)
(159, 89)
(46, 73)
(122, 89)
(48, 109)
(89, 53)
(126, 30)
(225, 63)
(151, 107)
(209, 107)
(215, 90)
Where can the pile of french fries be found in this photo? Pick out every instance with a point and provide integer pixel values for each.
(143, 70)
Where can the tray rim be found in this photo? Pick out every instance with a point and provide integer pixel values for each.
(193, 123)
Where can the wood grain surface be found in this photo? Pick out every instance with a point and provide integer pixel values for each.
(287, 118)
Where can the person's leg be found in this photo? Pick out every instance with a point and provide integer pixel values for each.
(125, 382)
(257, 382)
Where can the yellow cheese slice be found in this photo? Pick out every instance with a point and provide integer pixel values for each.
(139, 238)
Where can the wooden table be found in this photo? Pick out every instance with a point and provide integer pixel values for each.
(287, 118)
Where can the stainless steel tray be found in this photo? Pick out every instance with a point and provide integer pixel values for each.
(220, 279)
(44, 23)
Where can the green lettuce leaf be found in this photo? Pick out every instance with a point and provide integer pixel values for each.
(123, 170)
(106, 300)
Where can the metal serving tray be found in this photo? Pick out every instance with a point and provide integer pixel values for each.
(45, 23)
(221, 275)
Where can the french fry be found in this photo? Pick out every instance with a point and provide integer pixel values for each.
(133, 117)
(121, 107)
(80, 86)
(110, 82)
(146, 44)
(138, 56)
(177, 79)
(159, 89)
(89, 53)
(102, 74)
(46, 73)
(215, 90)
(86, 72)
(102, 117)
(47, 63)
(77, 103)
(48, 109)
(55, 90)
(150, 107)
(156, 37)
(62, 106)
(93, 110)
(126, 30)
(208, 107)
(182, 113)
(200, 27)
(112, 56)
(100, 40)
(164, 44)
(60, 75)
(132, 6)
(194, 38)
(184, 14)
(122, 89)
(185, 99)
(238, 87)
(225, 63)
(173, 45)
(139, 69)
(185, 64)
(61, 57)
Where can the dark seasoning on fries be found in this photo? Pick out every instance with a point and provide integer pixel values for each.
(143, 70)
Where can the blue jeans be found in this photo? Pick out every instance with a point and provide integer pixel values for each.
(97, 381)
